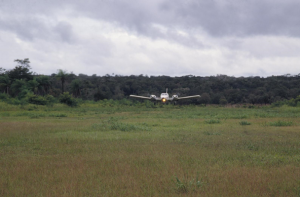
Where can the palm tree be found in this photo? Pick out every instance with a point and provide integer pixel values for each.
(62, 75)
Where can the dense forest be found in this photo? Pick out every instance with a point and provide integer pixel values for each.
(22, 83)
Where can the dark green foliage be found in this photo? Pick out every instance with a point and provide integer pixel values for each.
(76, 86)
(211, 133)
(50, 100)
(212, 121)
(63, 76)
(44, 84)
(5, 83)
(4, 97)
(35, 99)
(21, 71)
(223, 101)
(220, 89)
(19, 88)
(294, 102)
(41, 100)
(16, 101)
(33, 85)
(58, 115)
(243, 123)
(66, 98)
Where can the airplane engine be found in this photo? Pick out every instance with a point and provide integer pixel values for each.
(153, 97)
(175, 97)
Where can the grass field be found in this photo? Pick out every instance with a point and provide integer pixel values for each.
(106, 149)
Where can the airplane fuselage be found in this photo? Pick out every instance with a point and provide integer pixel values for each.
(164, 97)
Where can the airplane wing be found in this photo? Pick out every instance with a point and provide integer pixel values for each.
(188, 97)
(152, 97)
(141, 97)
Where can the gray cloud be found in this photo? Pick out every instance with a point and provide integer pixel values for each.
(64, 31)
(203, 37)
(216, 17)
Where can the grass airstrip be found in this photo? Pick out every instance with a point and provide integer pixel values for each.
(112, 149)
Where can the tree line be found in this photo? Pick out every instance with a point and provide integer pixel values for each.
(22, 83)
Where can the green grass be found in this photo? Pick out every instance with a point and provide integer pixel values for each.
(281, 123)
(101, 149)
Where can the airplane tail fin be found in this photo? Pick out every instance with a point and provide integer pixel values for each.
(166, 90)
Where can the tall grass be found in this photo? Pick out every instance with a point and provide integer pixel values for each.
(108, 149)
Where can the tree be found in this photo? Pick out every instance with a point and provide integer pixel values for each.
(24, 63)
(62, 75)
(21, 71)
(223, 100)
(205, 98)
(19, 88)
(33, 85)
(2, 71)
(76, 85)
(44, 84)
(5, 83)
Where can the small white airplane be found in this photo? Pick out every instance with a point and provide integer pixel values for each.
(164, 97)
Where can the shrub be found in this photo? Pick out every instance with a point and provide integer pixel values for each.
(35, 116)
(4, 96)
(66, 98)
(244, 123)
(15, 101)
(58, 115)
(212, 121)
(38, 100)
(281, 123)
(223, 101)
(50, 100)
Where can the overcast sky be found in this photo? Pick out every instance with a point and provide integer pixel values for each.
(152, 37)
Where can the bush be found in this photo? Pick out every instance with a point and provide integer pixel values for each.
(50, 100)
(4, 96)
(15, 101)
(244, 123)
(66, 98)
(292, 102)
(35, 99)
(223, 101)
(58, 115)
(212, 121)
